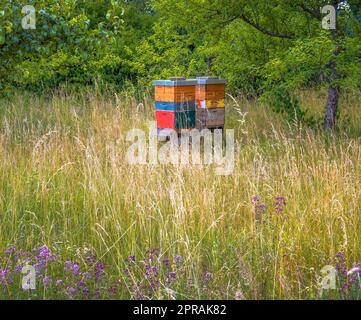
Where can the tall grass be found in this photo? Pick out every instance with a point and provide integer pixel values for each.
(64, 182)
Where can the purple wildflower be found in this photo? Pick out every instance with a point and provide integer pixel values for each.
(47, 281)
(171, 276)
(72, 267)
(354, 276)
(355, 270)
(81, 283)
(18, 268)
(9, 250)
(114, 288)
(86, 292)
(280, 204)
(153, 254)
(259, 208)
(70, 291)
(99, 270)
(178, 259)
(342, 273)
(166, 263)
(91, 259)
(4, 280)
(341, 264)
(207, 276)
(152, 276)
(43, 251)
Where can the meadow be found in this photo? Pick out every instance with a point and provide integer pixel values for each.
(96, 227)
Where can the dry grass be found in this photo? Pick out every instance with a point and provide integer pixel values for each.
(64, 182)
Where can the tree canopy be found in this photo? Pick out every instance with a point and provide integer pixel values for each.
(263, 48)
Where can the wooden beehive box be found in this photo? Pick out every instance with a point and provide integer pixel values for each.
(210, 118)
(175, 103)
(175, 120)
(210, 101)
(210, 92)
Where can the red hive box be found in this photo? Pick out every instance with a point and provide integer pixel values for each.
(165, 119)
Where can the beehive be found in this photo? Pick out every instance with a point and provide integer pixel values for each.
(175, 103)
(210, 118)
(210, 92)
(210, 100)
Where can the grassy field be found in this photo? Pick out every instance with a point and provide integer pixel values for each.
(97, 227)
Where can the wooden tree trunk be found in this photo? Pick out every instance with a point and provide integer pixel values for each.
(331, 108)
(333, 91)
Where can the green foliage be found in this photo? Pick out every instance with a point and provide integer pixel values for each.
(289, 107)
(167, 52)
(273, 48)
(260, 47)
(74, 41)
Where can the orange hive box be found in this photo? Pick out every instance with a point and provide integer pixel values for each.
(210, 96)
(174, 94)
(210, 93)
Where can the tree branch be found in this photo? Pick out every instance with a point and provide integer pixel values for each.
(259, 28)
(314, 13)
(266, 31)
